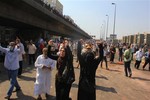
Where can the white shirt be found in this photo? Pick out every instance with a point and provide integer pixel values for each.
(11, 58)
(31, 49)
(139, 55)
(41, 61)
(105, 52)
(132, 49)
(21, 46)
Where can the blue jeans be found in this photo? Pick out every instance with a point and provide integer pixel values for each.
(12, 75)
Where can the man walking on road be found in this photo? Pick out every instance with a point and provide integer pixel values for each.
(22, 53)
(31, 52)
(147, 59)
(12, 65)
(127, 61)
(138, 56)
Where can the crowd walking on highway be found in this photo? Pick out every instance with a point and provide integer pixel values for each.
(47, 55)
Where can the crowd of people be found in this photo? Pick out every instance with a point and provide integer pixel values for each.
(89, 55)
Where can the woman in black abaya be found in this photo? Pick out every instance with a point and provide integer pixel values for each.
(88, 65)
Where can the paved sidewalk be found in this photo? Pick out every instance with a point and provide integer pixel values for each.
(110, 84)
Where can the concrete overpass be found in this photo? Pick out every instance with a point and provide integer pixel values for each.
(29, 14)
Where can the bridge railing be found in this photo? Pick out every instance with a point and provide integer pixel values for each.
(53, 10)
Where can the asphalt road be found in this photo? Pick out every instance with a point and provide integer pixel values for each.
(110, 84)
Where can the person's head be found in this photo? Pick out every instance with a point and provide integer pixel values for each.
(112, 46)
(105, 47)
(128, 47)
(11, 46)
(62, 52)
(45, 50)
(81, 40)
(131, 45)
(66, 42)
(87, 48)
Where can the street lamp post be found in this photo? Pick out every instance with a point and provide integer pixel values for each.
(100, 34)
(101, 31)
(104, 29)
(114, 21)
(107, 26)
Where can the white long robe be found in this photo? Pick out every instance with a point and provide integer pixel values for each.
(43, 76)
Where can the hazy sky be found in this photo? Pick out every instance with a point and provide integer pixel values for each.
(132, 16)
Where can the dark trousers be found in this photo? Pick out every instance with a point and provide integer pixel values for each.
(137, 64)
(132, 56)
(146, 62)
(31, 58)
(112, 56)
(62, 90)
(120, 57)
(20, 67)
(127, 68)
(105, 59)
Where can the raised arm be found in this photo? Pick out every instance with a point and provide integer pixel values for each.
(100, 56)
(79, 48)
(69, 54)
(4, 50)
